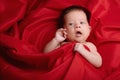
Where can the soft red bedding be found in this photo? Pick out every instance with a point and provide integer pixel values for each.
(27, 25)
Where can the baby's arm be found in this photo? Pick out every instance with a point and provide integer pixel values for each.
(60, 36)
(92, 56)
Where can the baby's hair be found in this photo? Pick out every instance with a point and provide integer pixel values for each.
(69, 9)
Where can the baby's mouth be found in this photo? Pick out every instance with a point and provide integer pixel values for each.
(78, 33)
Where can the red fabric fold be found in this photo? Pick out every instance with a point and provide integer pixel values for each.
(27, 26)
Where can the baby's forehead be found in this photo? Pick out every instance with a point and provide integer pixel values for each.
(75, 14)
(76, 11)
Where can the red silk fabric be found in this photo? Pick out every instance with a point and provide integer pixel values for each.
(27, 25)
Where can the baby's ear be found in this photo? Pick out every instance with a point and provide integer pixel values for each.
(64, 27)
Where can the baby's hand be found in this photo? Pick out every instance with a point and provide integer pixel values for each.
(79, 47)
(60, 35)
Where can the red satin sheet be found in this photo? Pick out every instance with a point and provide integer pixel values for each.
(27, 25)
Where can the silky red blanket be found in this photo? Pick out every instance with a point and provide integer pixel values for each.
(27, 25)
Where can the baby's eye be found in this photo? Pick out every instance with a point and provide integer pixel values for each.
(70, 24)
(82, 22)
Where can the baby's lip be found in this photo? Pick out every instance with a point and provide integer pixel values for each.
(78, 33)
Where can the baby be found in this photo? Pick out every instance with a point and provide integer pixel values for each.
(74, 27)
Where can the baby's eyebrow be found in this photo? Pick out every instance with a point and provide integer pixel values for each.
(82, 19)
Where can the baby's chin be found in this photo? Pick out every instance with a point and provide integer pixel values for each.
(73, 40)
(78, 41)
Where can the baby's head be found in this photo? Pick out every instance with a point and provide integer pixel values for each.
(75, 19)
(70, 9)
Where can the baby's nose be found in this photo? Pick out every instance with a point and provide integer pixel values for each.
(77, 26)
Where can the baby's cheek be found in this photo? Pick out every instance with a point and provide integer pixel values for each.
(70, 31)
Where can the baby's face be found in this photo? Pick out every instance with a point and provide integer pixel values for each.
(77, 26)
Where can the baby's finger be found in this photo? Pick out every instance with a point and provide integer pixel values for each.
(76, 46)
(65, 34)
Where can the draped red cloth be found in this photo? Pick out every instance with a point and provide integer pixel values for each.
(27, 25)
